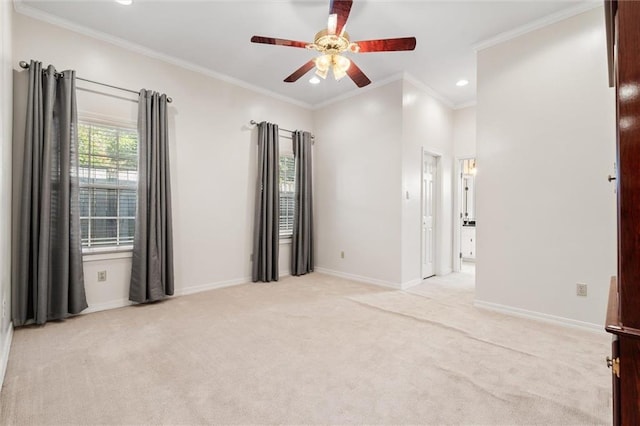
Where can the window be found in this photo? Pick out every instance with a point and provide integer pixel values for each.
(108, 158)
(287, 194)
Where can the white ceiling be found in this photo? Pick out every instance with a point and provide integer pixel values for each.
(215, 35)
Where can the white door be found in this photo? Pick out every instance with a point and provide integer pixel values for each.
(428, 215)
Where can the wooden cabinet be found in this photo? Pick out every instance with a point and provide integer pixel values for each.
(623, 312)
(468, 242)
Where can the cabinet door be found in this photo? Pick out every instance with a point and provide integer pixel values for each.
(629, 382)
(615, 353)
(468, 246)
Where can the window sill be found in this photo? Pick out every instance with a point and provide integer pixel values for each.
(285, 240)
(107, 253)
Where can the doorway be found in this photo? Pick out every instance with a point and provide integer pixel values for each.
(466, 217)
(428, 230)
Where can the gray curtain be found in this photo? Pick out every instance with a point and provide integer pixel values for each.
(266, 226)
(302, 240)
(48, 283)
(152, 262)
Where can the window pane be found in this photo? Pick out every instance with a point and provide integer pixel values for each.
(287, 170)
(104, 153)
(128, 172)
(127, 203)
(104, 231)
(287, 194)
(104, 141)
(286, 212)
(103, 171)
(127, 229)
(83, 169)
(127, 162)
(83, 139)
(104, 202)
(84, 202)
(128, 143)
(84, 231)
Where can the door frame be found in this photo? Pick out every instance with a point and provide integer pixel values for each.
(436, 210)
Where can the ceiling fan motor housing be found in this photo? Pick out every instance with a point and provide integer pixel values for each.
(331, 44)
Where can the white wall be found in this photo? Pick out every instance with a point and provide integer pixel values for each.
(212, 148)
(427, 124)
(546, 143)
(368, 156)
(6, 108)
(358, 185)
(464, 132)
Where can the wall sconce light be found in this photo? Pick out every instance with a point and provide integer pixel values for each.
(469, 166)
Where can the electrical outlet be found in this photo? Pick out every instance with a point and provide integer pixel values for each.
(342, 254)
(581, 290)
(102, 276)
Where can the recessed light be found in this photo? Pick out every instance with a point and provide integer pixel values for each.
(314, 80)
(125, 2)
(462, 82)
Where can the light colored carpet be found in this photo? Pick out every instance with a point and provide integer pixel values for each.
(314, 349)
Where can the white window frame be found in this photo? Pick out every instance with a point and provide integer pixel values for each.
(105, 121)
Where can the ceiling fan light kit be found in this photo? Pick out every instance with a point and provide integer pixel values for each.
(338, 64)
(333, 42)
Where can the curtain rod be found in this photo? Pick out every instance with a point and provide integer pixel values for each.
(25, 65)
(253, 123)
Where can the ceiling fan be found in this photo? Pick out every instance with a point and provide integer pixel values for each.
(333, 42)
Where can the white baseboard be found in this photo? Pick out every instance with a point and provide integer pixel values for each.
(221, 284)
(539, 316)
(121, 303)
(411, 283)
(212, 286)
(358, 278)
(445, 271)
(114, 304)
(6, 348)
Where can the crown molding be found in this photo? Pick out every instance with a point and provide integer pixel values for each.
(34, 13)
(537, 24)
(357, 92)
(37, 14)
(420, 85)
(401, 76)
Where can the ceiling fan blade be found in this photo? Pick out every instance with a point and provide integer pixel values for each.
(278, 41)
(357, 75)
(300, 72)
(387, 44)
(341, 8)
